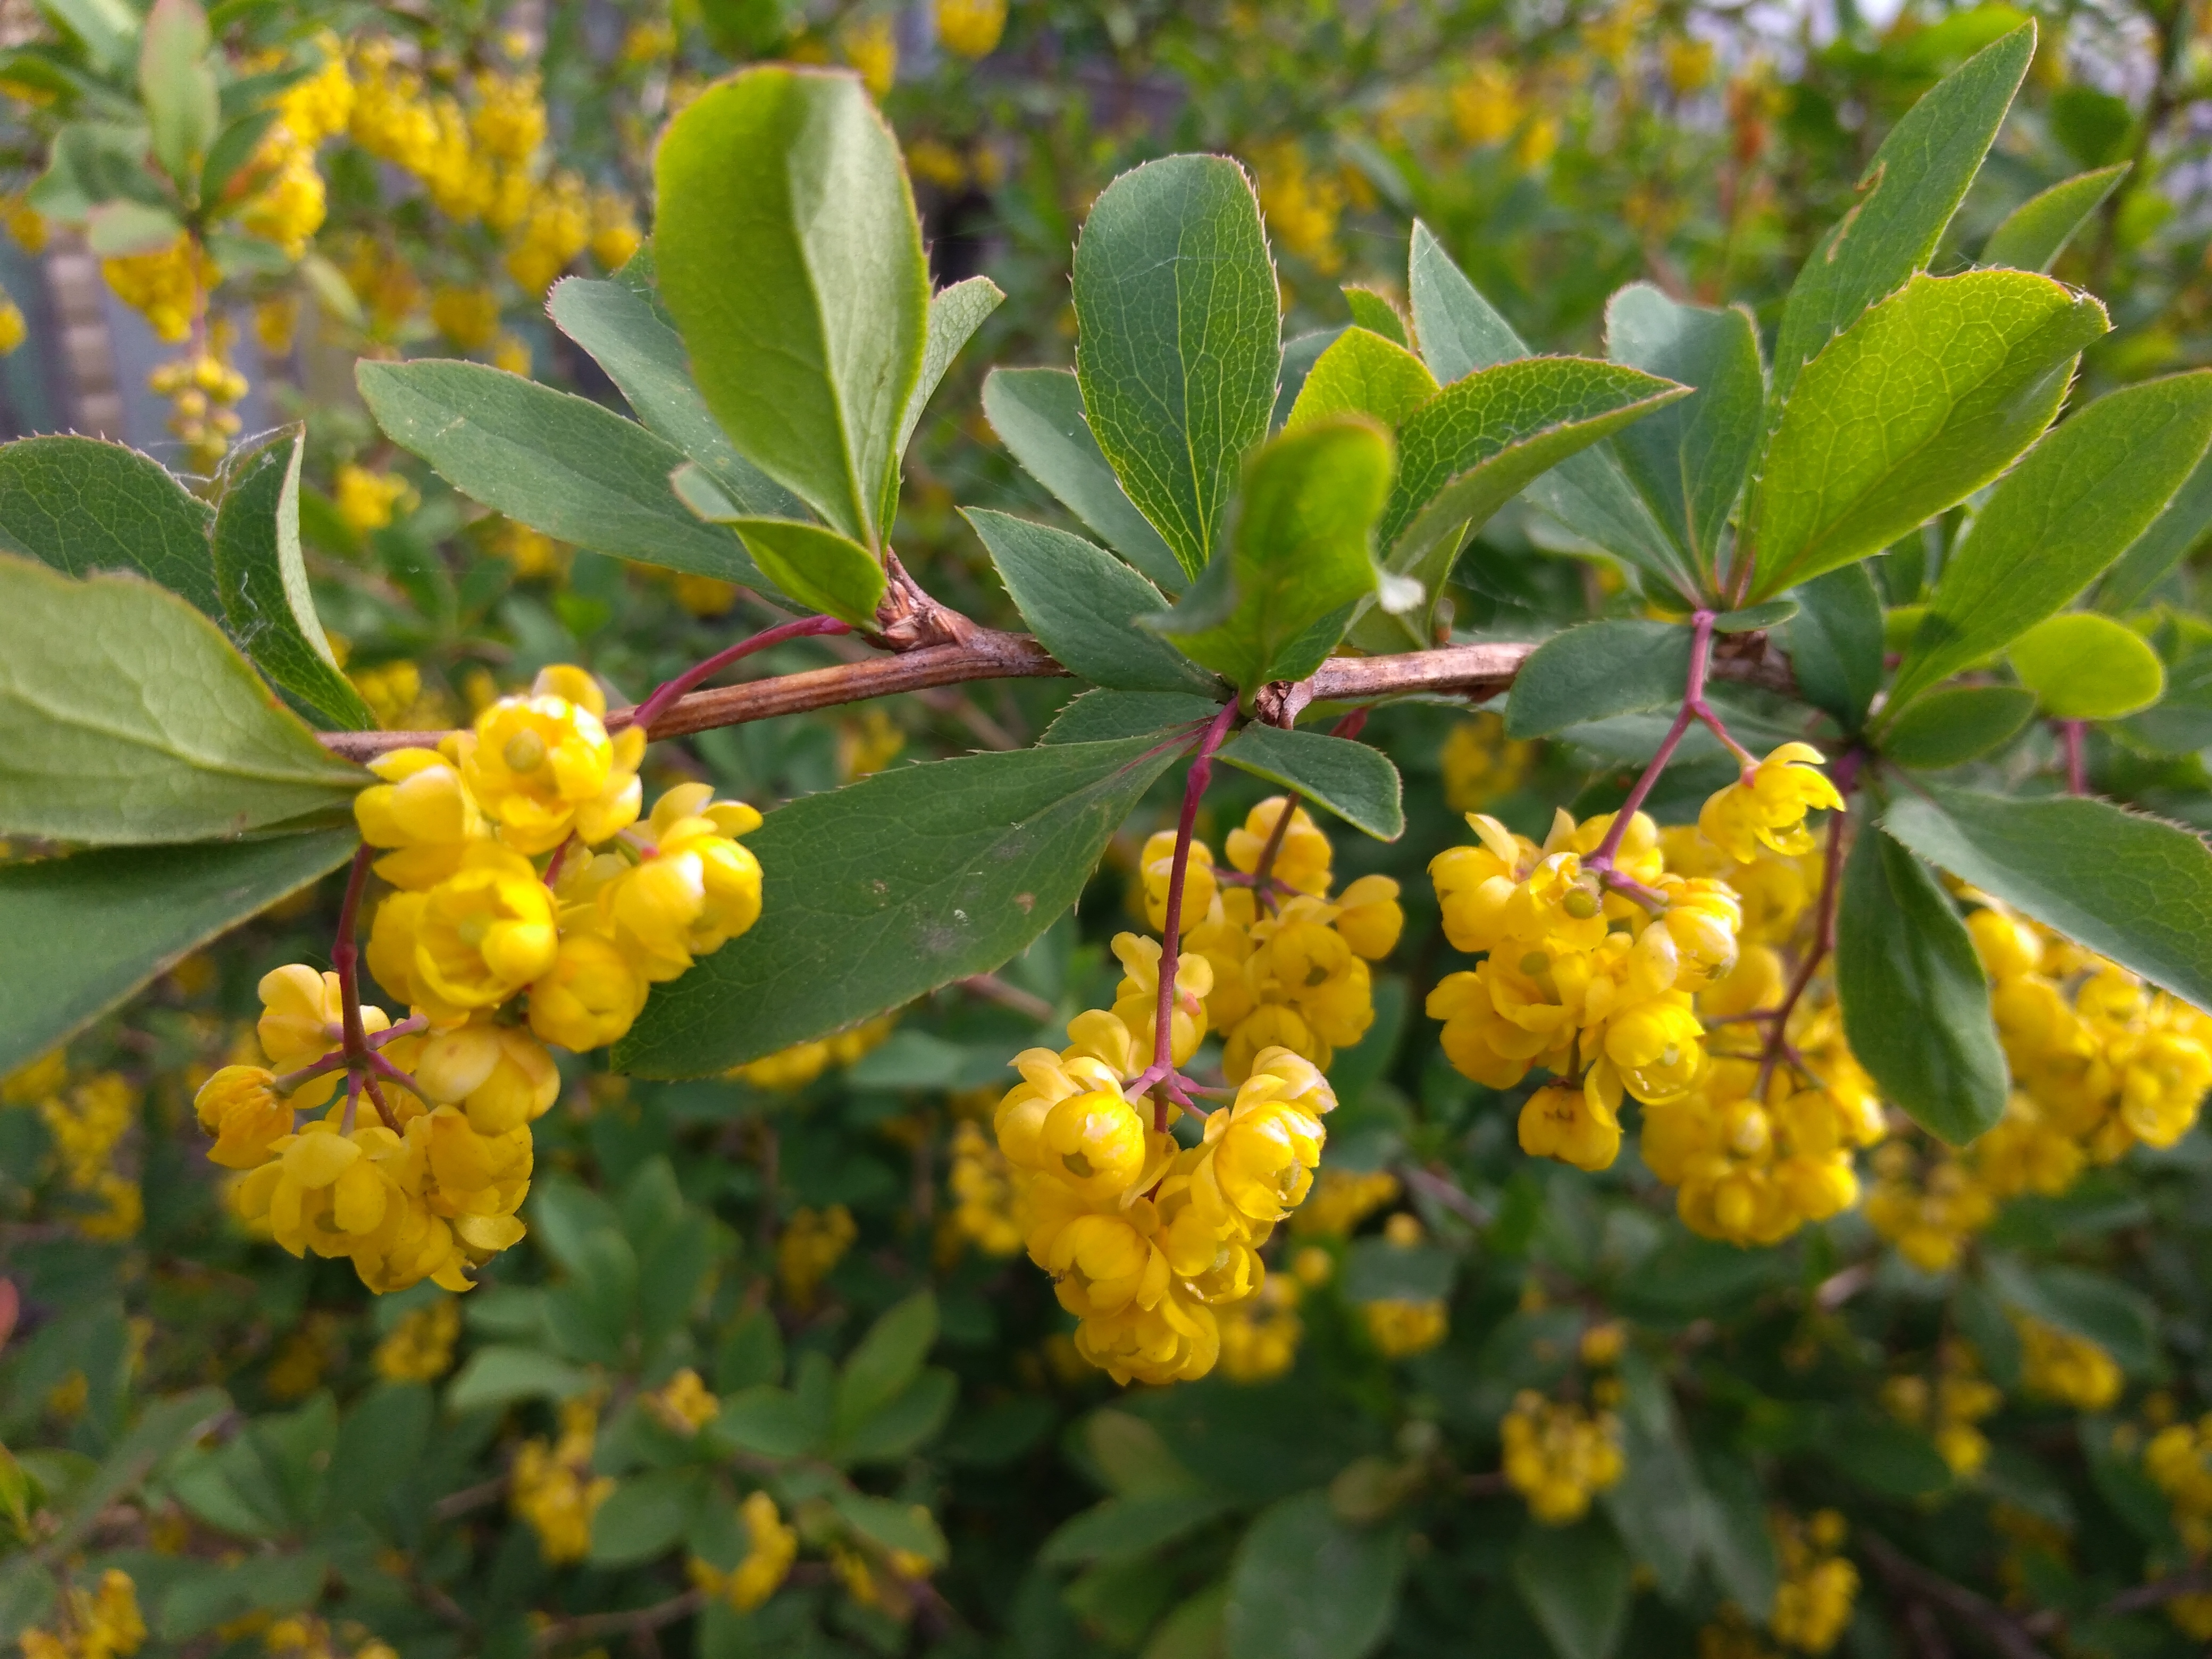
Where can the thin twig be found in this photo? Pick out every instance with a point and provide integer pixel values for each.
(2001, 1628)
(584, 1627)
(991, 988)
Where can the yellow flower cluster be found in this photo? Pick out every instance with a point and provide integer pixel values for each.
(2179, 1459)
(682, 1405)
(1929, 1215)
(105, 1624)
(1279, 965)
(1401, 1328)
(1480, 764)
(814, 1242)
(288, 200)
(1144, 1237)
(302, 1638)
(420, 1348)
(13, 330)
(1575, 980)
(1948, 1412)
(1341, 1200)
(1302, 207)
(1767, 806)
(1813, 1598)
(85, 1125)
(394, 691)
(773, 1547)
(552, 1489)
(2061, 1365)
(970, 27)
(788, 1069)
(871, 47)
(983, 1190)
(367, 501)
(1259, 1334)
(168, 287)
(202, 390)
(1559, 1455)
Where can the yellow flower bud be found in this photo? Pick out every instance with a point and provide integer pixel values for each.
(240, 1107)
(501, 1076)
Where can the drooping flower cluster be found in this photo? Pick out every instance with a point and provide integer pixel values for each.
(1288, 963)
(1480, 764)
(431, 1186)
(2179, 1460)
(1144, 1237)
(1948, 1410)
(86, 1123)
(1576, 980)
(102, 1624)
(553, 1491)
(983, 1190)
(2064, 1366)
(1812, 1597)
(813, 1243)
(1559, 1456)
(420, 1348)
(771, 1547)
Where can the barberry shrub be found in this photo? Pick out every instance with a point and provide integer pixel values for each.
(1841, 894)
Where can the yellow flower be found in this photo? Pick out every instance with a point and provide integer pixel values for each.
(1558, 1456)
(102, 1624)
(1302, 859)
(240, 1107)
(552, 1489)
(471, 942)
(615, 234)
(542, 766)
(970, 27)
(590, 996)
(1156, 867)
(499, 1076)
(1259, 1336)
(300, 1022)
(683, 1404)
(1399, 1329)
(12, 328)
(420, 1348)
(1480, 764)
(871, 46)
(467, 317)
(773, 1547)
(811, 1246)
(424, 812)
(1570, 1124)
(1767, 807)
(367, 501)
(1136, 999)
(696, 890)
(2060, 1365)
(1259, 1153)
(165, 287)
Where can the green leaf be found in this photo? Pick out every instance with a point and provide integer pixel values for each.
(1102, 717)
(992, 848)
(770, 1421)
(1461, 331)
(1276, 600)
(1483, 440)
(1129, 1526)
(1658, 1505)
(789, 254)
(1690, 461)
(2053, 524)
(1179, 341)
(500, 1376)
(954, 316)
(1916, 1003)
(2173, 535)
(2180, 722)
(643, 355)
(903, 1424)
(2086, 667)
(1038, 415)
(176, 83)
(2128, 887)
(889, 1357)
(1910, 190)
(1883, 1456)
(894, 1525)
(1355, 780)
(27, 1591)
(1304, 1586)
(164, 1427)
(1957, 724)
(1083, 604)
(107, 28)
(1576, 1581)
(116, 229)
(647, 1516)
(1597, 671)
(78, 935)
(1739, 1543)
(81, 505)
(264, 582)
(1375, 1270)
(1928, 397)
(1376, 313)
(816, 567)
(174, 740)
(2037, 232)
(1835, 644)
(1364, 373)
(1753, 618)
(560, 463)
(2116, 1316)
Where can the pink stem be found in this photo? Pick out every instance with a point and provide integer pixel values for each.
(2072, 735)
(345, 954)
(1823, 930)
(1201, 774)
(1694, 709)
(665, 695)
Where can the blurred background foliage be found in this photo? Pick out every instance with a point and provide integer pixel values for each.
(767, 1378)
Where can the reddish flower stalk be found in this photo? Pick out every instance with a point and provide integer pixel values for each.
(2073, 738)
(1823, 930)
(664, 696)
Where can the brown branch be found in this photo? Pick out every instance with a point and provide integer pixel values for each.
(584, 1627)
(1929, 1589)
(1462, 671)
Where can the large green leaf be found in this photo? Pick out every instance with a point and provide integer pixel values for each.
(1915, 1003)
(888, 1359)
(1179, 341)
(2037, 232)
(1835, 644)
(1480, 441)
(562, 465)
(176, 85)
(1364, 373)
(1461, 331)
(165, 1425)
(79, 935)
(1101, 716)
(1956, 724)
(954, 317)
(81, 505)
(1576, 1582)
(2057, 521)
(1928, 397)
(264, 582)
(1910, 189)
(1277, 598)
(2128, 887)
(816, 567)
(1306, 1585)
(789, 254)
(1083, 604)
(990, 850)
(643, 354)
(1129, 1526)
(2173, 535)
(1597, 671)
(127, 719)
(1038, 415)
(2087, 666)
(1690, 461)
(1355, 780)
